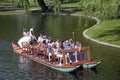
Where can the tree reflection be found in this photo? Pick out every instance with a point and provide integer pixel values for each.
(88, 74)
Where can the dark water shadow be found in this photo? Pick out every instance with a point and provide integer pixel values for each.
(5, 45)
(86, 74)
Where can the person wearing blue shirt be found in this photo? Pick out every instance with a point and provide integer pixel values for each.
(67, 46)
(32, 41)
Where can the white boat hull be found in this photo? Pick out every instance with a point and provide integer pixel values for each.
(91, 64)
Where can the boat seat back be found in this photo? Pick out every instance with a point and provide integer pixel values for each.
(25, 47)
(36, 48)
(25, 44)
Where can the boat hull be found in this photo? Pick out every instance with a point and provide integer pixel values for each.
(66, 69)
(90, 65)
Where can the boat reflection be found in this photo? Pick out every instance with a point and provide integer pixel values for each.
(87, 74)
(39, 71)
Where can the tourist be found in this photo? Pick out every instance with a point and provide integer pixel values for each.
(78, 46)
(71, 43)
(49, 50)
(67, 46)
(40, 38)
(57, 43)
(32, 40)
(55, 49)
(60, 55)
(78, 52)
(43, 46)
(60, 49)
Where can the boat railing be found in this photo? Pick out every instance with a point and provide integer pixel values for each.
(70, 56)
(67, 57)
(73, 57)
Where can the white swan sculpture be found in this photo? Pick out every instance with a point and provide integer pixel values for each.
(26, 37)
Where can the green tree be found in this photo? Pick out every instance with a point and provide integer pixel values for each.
(107, 9)
(57, 6)
(21, 2)
(26, 6)
(42, 4)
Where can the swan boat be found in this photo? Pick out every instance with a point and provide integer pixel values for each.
(62, 62)
(83, 59)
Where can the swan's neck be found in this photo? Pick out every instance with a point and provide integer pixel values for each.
(30, 33)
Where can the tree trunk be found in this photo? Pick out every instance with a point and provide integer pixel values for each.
(43, 6)
(28, 2)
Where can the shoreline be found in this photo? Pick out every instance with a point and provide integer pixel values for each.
(74, 14)
(97, 41)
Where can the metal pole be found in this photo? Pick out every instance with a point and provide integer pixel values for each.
(73, 37)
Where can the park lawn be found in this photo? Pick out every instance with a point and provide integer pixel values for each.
(107, 31)
(14, 12)
(69, 5)
(15, 3)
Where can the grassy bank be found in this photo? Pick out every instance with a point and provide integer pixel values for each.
(8, 11)
(12, 12)
(67, 5)
(15, 3)
(107, 31)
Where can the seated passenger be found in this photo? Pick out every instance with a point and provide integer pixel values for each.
(44, 46)
(67, 46)
(57, 43)
(49, 51)
(60, 55)
(71, 43)
(78, 52)
(60, 48)
(78, 46)
(55, 49)
(32, 41)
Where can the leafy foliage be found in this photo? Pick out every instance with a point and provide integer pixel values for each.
(107, 9)
(26, 6)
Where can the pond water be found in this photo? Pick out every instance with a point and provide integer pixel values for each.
(15, 67)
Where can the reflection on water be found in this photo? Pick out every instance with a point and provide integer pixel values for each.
(24, 63)
(38, 71)
(88, 74)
